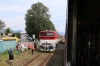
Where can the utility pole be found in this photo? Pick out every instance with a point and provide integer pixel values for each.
(0, 32)
(57, 27)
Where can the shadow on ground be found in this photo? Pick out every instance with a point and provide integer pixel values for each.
(57, 58)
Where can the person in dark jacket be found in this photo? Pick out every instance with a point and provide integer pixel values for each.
(11, 56)
(35, 43)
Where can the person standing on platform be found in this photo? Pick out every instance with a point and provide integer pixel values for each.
(35, 43)
(25, 47)
(11, 56)
(22, 48)
(32, 48)
(29, 47)
(18, 49)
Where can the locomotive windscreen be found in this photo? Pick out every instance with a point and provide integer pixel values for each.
(46, 34)
(43, 34)
(50, 34)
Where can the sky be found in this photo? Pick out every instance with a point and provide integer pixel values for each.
(12, 12)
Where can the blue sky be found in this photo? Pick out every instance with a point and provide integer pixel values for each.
(12, 12)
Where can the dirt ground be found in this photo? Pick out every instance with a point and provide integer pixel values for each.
(19, 60)
(56, 60)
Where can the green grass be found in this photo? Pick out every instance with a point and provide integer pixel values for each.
(5, 54)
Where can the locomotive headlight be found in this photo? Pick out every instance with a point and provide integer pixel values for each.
(52, 43)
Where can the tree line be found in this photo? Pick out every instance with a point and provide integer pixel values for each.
(8, 30)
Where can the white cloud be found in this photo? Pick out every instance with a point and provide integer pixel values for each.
(14, 8)
(57, 10)
(58, 18)
(15, 23)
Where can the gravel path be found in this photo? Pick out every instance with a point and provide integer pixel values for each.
(58, 57)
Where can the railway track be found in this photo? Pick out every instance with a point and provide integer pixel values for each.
(39, 60)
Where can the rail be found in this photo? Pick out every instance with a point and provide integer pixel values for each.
(28, 63)
(45, 60)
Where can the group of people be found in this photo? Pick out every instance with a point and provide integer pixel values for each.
(22, 48)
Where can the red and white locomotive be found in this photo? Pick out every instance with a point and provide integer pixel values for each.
(48, 40)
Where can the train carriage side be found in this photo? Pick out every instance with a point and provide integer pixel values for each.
(82, 45)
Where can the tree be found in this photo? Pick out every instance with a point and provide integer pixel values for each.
(13, 34)
(16, 34)
(7, 31)
(37, 19)
(2, 25)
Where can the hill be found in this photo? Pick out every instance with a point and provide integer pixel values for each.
(62, 33)
(19, 31)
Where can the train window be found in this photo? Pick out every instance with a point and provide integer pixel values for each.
(50, 34)
(89, 45)
(43, 34)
